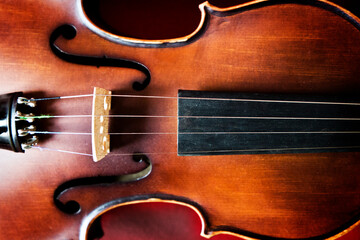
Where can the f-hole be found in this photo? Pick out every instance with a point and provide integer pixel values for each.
(69, 32)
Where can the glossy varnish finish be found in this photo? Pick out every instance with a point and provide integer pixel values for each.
(284, 48)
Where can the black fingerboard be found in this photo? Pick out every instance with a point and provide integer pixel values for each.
(218, 123)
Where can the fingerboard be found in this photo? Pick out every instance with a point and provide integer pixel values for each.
(218, 123)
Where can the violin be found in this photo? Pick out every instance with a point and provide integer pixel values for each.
(251, 121)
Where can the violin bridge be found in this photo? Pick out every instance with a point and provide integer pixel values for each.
(100, 123)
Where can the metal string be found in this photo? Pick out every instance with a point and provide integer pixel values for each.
(90, 155)
(63, 151)
(169, 116)
(174, 133)
(196, 98)
(196, 133)
(196, 152)
(165, 116)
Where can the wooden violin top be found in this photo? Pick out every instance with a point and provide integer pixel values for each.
(284, 47)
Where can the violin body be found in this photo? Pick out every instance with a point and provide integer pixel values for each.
(260, 47)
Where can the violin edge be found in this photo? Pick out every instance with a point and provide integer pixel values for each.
(207, 230)
(207, 9)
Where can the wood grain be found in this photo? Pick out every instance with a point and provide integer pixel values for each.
(285, 48)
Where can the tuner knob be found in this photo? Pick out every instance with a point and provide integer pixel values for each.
(14, 132)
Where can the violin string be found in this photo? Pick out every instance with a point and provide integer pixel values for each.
(62, 151)
(173, 116)
(200, 152)
(197, 98)
(90, 155)
(270, 149)
(57, 98)
(197, 133)
(60, 133)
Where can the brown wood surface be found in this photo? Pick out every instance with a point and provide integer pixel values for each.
(285, 48)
